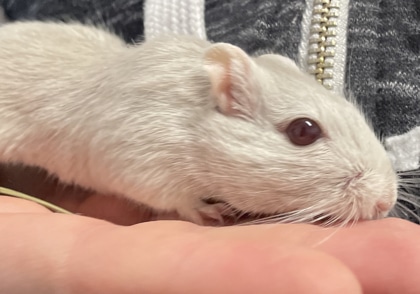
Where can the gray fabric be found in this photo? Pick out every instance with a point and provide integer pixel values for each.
(384, 62)
(256, 26)
(124, 17)
(383, 66)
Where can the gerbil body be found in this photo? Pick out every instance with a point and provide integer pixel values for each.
(184, 125)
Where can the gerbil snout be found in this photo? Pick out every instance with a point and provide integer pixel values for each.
(372, 201)
(379, 209)
(383, 207)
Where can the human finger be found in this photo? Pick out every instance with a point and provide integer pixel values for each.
(70, 254)
(383, 254)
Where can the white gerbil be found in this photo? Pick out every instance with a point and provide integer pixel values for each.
(184, 125)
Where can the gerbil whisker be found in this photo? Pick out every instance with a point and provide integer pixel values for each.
(353, 216)
(409, 198)
(320, 213)
(409, 178)
(305, 215)
(339, 221)
(409, 173)
(409, 212)
(400, 208)
(409, 184)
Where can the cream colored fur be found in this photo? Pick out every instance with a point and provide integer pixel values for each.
(141, 122)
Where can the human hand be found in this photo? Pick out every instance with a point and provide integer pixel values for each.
(44, 252)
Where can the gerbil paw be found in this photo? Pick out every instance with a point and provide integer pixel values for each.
(213, 213)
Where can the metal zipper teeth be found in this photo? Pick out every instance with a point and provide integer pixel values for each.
(322, 41)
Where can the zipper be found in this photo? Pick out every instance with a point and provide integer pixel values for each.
(323, 47)
(322, 41)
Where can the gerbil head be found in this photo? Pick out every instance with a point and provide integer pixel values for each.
(276, 144)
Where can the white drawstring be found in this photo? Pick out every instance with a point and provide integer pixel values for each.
(181, 17)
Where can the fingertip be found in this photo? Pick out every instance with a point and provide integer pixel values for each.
(322, 273)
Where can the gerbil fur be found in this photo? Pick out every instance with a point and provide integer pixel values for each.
(177, 121)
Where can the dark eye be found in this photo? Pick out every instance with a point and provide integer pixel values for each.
(303, 131)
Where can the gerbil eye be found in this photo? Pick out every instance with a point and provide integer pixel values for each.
(303, 131)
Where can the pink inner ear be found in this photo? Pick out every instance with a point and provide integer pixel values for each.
(230, 73)
(224, 97)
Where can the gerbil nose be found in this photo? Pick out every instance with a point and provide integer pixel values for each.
(383, 205)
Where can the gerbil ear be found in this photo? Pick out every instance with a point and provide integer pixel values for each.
(232, 81)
